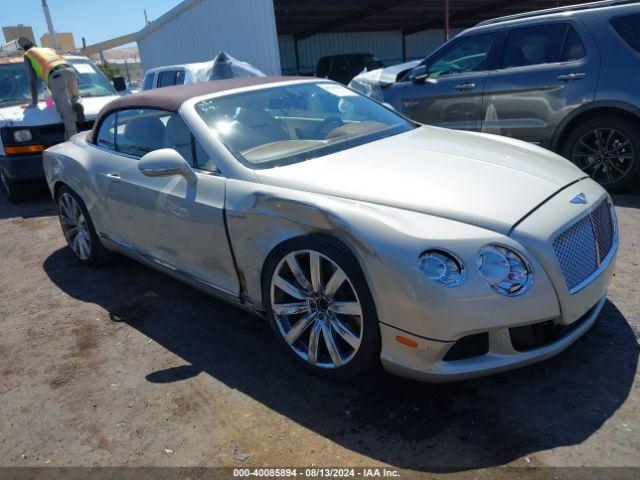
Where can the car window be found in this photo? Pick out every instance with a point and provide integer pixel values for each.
(283, 125)
(169, 78)
(179, 77)
(339, 65)
(148, 81)
(323, 66)
(91, 80)
(143, 130)
(535, 45)
(203, 161)
(106, 134)
(371, 63)
(178, 136)
(628, 27)
(468, 54)
(573, 47)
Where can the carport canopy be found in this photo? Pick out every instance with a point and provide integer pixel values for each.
(305, 18)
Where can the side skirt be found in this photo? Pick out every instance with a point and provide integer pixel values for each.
(168, 269)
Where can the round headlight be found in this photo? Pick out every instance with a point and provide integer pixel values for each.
(441, 267)
(22, 136)
(504, 270)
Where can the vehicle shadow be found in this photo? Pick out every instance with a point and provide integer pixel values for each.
(431, 427)
(631, 200)
(38, 203)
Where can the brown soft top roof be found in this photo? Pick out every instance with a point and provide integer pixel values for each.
(170, 98)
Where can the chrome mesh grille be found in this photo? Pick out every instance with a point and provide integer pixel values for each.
(580, 249)
(603, 228)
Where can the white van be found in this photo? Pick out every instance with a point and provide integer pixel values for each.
(25, 133)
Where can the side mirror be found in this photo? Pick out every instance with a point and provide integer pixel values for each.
(419, 74)
(119, 84)
(166, 162)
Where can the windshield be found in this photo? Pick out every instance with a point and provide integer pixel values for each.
(293, 123)
(14, 82)
(91, 80)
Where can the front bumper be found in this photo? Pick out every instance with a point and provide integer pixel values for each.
(426, 361)
(504, 323)
(23, 168)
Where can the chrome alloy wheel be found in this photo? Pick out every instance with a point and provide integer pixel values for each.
(316, 308)
(606, 154)
(74, 226)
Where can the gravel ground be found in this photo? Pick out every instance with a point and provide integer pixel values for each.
(123, 366)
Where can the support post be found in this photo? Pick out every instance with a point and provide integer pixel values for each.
(295, 48)
(126, 69)
(446, 20)
(404, 48)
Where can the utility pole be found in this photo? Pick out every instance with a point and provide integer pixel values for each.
(52, 32)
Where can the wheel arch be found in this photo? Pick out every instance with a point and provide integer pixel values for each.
(58, 184)
(260, 220)
(309, 237)
(589, 111)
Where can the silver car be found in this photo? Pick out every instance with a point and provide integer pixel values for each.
(360, 235)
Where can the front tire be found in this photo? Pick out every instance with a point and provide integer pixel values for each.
(14, 191)
(320, 307)
(78, 229)
(607, 149)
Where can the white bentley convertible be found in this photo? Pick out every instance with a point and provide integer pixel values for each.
(360, 235)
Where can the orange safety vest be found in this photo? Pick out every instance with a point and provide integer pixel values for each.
(43, 60)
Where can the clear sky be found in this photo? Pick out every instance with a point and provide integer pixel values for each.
(96, 20)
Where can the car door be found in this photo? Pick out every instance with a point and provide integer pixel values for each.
(545, 71)
(172, 222)
(451, 96)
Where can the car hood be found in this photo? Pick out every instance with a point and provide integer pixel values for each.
(18, 116)
(387, 75)
(479, 179)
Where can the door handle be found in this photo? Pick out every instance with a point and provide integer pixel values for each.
(465, 86)
(113, 176)
(568, 77)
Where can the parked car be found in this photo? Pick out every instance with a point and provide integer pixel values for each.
(360, 235)
(565, 78)
(221, 67)
(342, 68)
(25, 133)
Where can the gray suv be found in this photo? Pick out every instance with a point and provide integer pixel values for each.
(567, 79)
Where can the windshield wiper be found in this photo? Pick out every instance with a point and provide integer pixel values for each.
(9, 100)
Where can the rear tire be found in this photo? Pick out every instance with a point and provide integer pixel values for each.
(78, 229)
(608, 149)
(333, 309)
(15, 192)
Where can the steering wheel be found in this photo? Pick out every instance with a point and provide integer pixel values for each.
(326, 126)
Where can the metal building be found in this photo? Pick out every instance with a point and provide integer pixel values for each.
(196, 30)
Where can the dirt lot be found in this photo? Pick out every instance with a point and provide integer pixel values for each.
(123, 366)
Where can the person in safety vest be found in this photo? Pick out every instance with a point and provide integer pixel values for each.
(61, 79)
